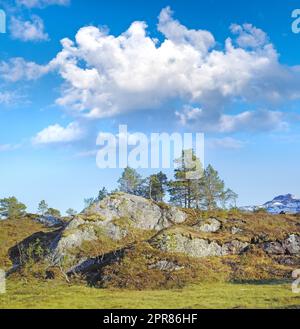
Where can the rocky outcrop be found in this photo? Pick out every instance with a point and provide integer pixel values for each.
(292, 244)
(49, 221)
(289, 246)
(185, 243)
(127, 241)
(165, 265)
(116, 217)
(211, 225)
(142, 213)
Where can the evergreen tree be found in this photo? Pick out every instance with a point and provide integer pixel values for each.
(184, 191)
(103, 193)
(88, 202)
(42, 208)
(211, 188)
(131, 182)
(11, 208)
(156, 187)
(228, 199)
(71, 212)
(53, 212)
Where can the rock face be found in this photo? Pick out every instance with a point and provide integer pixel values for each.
(290, 246)
(178, 242)
(211, 225)
(49, 221)
(115, 217)
(144, 214)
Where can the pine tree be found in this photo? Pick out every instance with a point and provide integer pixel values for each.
(184, 191)
(11, 208)
(211, 188)
(228, 198)
(131, 182)
(53, 212)
(71, 212)
(103, 193)
(42, 208)
(88, 202)
(156, 187)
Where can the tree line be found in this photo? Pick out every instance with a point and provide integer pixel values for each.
(205, 191)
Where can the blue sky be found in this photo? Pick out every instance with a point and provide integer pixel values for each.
(178, 74)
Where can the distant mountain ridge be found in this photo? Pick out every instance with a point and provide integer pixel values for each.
(287, 203)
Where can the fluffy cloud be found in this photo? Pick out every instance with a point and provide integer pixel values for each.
(42, 3)
(28, 30)
(251, 121)
(18, 69)
(190, 116)
(261, 120)
(249, 36)
(58, 134)
(107, 75)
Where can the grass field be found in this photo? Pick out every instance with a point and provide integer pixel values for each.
(53, 294)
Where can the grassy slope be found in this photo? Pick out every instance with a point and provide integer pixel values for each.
(221, 295)
(13, 232)
(55, 294)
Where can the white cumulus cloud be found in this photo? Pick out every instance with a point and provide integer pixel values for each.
(260, 120)
(108, 75)
(251, 121)
(58, 134)
(105, 75)
(28, 30)
(17, 69)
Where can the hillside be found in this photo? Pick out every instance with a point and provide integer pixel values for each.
(126, 241)
(13, 232)
(217, 259)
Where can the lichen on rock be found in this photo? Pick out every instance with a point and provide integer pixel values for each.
(177, 241)
(117, 216)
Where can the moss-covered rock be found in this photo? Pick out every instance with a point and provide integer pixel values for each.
(141, 213)
(117, 217)
(179, 240)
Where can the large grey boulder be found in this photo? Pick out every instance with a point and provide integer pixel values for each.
(179, 242)
(142, 213)
(289, 246)
(210, 225)
(115, 217)
(292, 244)
(274, 248)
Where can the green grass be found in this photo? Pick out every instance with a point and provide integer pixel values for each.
(53, 294)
